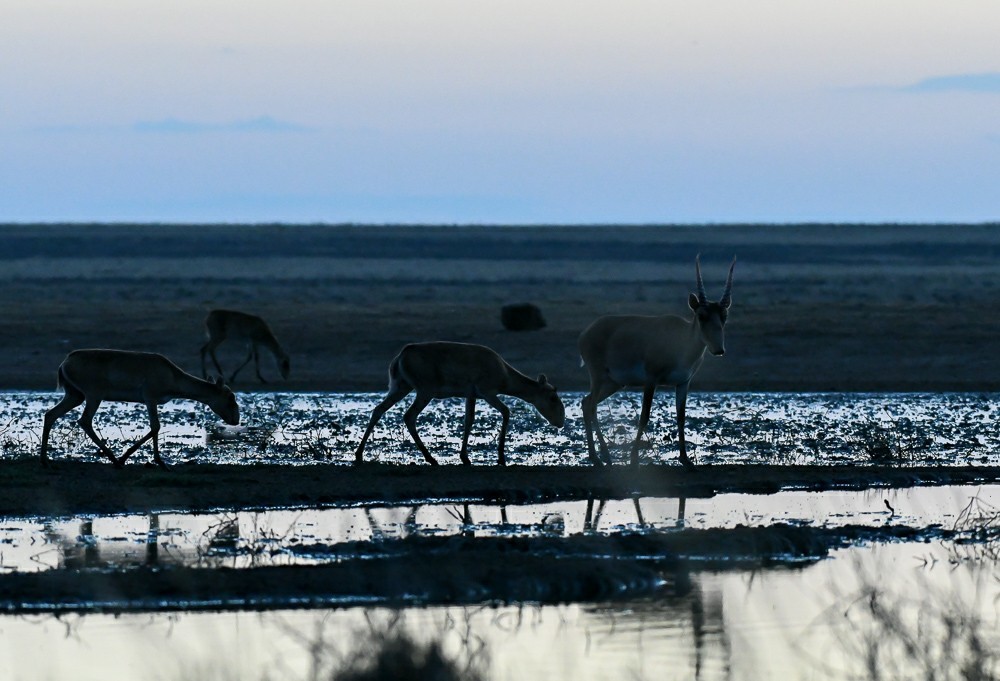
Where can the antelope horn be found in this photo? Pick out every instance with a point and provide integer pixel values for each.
(727, 295)
(701, 285)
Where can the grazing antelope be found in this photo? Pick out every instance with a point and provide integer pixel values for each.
(221, 325)
(93, 376)
(633, 350)
(442, 369)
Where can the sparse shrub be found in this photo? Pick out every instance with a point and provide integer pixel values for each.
(522, 317)
(979, 528)
(897, 442)
(770, 438)
(922, 634)
(14, 447)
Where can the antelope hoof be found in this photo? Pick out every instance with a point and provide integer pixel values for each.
(596, 460)
(687, 463)
(119, 463)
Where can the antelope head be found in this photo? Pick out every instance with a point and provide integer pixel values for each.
(547, 402)
(709, 316)
(223, 403)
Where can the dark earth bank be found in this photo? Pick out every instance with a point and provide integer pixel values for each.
(448, 570)
(78, 488)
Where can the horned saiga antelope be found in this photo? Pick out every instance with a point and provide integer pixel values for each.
(443, 369)
(638, 351)
(95, 376)
(221, 325)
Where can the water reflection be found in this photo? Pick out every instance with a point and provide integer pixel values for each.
(682, 637)
(851, 617)
(277, 537)
(592, 521)
(247, 539)
(934, 631)
(86, 551)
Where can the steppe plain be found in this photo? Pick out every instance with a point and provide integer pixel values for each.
(816, 307)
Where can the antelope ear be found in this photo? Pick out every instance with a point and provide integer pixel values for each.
(693, 302)
(541, 379)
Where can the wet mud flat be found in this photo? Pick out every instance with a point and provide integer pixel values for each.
(366, 554)
(69, 487)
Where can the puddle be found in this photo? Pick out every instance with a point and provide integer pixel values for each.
(297, 428)
(308, 536)
(819, 621)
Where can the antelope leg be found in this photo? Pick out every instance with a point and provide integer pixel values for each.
(410, 419)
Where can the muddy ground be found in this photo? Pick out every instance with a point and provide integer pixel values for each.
(83, 488)
(450, 570)
(816, 307)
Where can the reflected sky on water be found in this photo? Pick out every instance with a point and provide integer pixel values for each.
(246, 539)
(811, 622)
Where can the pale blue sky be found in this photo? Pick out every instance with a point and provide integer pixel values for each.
(507, 111)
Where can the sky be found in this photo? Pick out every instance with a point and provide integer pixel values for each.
(507, 111)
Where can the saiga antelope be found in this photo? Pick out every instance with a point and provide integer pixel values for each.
(221, 325)
(443, 369)
(639, 351)
(94, 376)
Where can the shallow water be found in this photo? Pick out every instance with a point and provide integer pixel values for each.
(297, 428)
(816, 620)
(247, 539)
(819, 621)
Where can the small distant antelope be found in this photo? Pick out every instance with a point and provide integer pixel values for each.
(221, 325)
(633, 350)
(442, 369)
(93, 376)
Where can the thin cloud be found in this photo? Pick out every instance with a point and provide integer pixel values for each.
(179, 126)
(72, 129)
(260, 124)
(961, 82)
